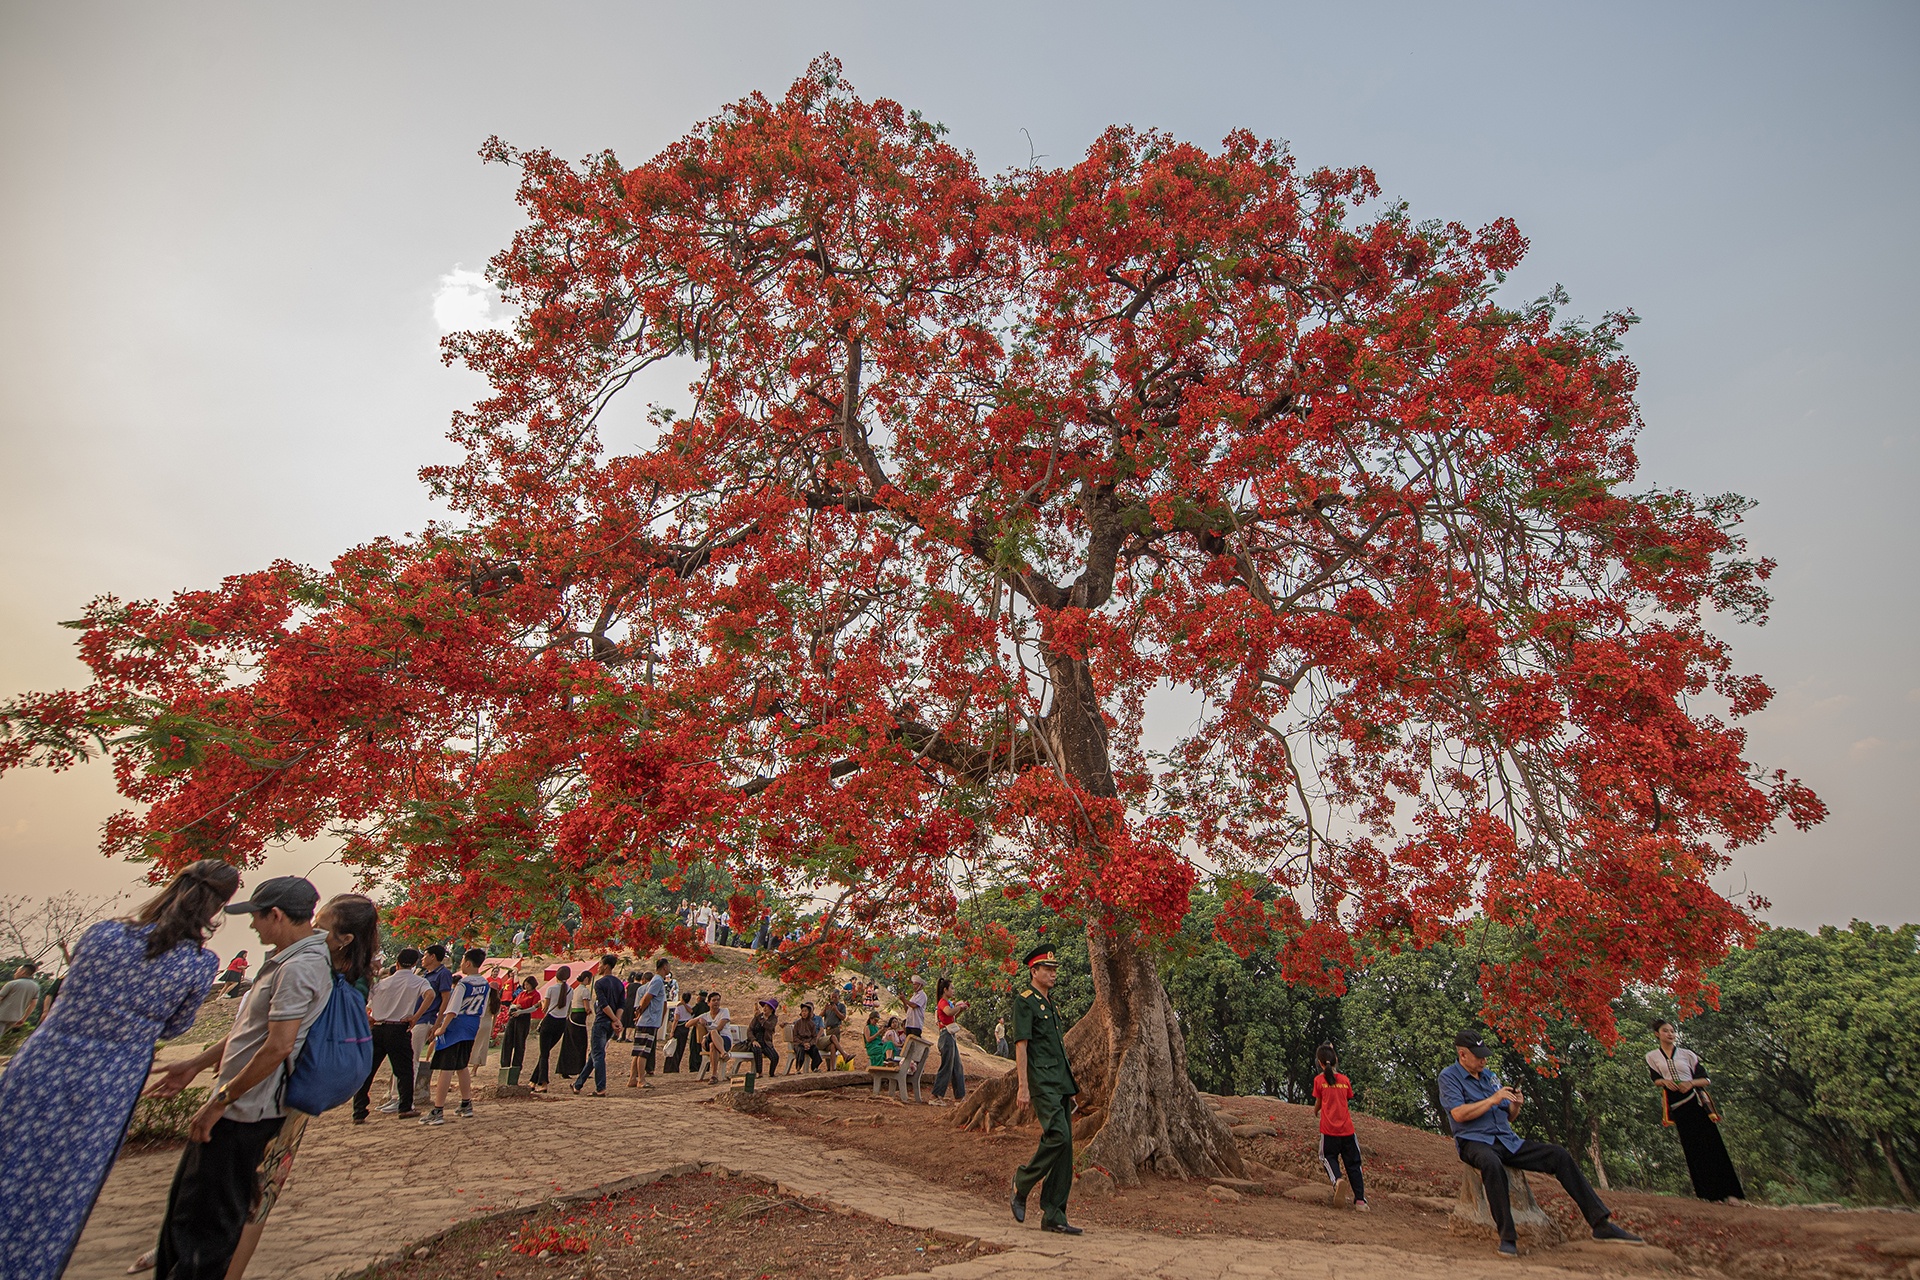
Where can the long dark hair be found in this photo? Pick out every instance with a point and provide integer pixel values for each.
(941, 988)
(1326, 1057)
(354, 915)
(180, 912)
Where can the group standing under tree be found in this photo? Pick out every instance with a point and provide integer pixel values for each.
(142, 979)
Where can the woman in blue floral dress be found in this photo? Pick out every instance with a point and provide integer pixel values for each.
(66, 1097)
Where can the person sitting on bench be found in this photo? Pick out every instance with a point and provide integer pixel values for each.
(1480, 1111)
(760, 1037)
(802, 1041)
(894, 1036)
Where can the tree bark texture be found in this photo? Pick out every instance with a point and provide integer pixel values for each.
(1138, 1105)
(1593, 1150)
(1138, 1108)
(1893, 1165)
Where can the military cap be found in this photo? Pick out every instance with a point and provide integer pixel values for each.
(1042, 954)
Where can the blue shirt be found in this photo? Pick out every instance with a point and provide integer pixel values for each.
(441, 980)
(469, 1002)
(1494, 1125)
(650, 1016)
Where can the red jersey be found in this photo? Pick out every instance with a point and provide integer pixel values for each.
(943, 1012)
(1335, 1120)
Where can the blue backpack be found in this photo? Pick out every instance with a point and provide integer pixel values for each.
(338, 1055)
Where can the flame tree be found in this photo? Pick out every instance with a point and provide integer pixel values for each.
(973, 465)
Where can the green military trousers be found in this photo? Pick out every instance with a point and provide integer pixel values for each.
(1052, 1161)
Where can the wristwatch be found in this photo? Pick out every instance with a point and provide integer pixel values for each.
(222, 1097)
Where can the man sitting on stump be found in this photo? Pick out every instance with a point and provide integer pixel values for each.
(1481, 1110)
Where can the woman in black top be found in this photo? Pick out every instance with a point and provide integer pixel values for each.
(1686, 1105)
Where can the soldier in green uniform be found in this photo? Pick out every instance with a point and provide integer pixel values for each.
(1046, 1083)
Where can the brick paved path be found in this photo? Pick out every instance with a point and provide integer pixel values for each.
(361, 1193)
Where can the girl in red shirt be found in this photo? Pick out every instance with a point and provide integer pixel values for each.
(1331, 1093)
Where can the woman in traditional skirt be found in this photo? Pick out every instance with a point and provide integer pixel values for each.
(1686, 1105)
(67, 1095)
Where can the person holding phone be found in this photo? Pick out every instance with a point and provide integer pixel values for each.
(1480, 1111)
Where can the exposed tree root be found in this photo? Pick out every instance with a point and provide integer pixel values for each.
(1137, 1108)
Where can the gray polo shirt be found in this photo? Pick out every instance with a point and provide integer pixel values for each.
(293, 985)
(17, 1000)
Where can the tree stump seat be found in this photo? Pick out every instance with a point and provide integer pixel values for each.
(1471, 1216)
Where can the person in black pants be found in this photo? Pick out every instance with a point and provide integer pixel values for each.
(553, 1026)
(697, 1030)
(398, 1001)
(1480, 1110)
(681, 1014)
(513, 1050)
(760, 1038)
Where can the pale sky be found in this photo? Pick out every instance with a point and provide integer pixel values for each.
(233, 234)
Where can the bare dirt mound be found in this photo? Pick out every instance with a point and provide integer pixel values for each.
(1413, 1178)
(701, 1225)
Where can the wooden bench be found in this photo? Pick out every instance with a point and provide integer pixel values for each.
(911, 1065)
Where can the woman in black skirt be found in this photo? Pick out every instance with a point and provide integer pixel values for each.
(1686, 1105)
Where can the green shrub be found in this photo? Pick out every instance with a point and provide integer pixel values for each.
(165, 1119)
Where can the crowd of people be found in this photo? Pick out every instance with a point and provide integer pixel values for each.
(67, 1096)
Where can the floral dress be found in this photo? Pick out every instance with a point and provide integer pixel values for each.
(66, 1098)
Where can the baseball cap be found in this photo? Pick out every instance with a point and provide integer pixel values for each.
(293, 895)
(1470, 1041)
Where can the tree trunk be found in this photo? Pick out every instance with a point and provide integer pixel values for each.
(1893, 1165)
(1593, 1149)
(1138, 1106)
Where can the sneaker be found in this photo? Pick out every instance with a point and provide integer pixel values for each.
(1363, 1206)
(359, 1119)
(466, 1111)
(1508, 1249)
(435, 1116)
(408, 1114)
(390, 1108)
(1619, 1235)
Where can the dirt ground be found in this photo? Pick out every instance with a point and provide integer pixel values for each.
(1412, 1179)
(700, 1226)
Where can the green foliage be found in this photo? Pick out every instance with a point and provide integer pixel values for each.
(165, 1119)
(1401, 1014)
(1812, 1055)
(1811, 1051)
(1403, 1010)
(1247, 1030)
(984, 985)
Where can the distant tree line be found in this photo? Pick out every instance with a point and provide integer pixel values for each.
(1812, 1049)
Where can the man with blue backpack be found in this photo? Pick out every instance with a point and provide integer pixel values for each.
(214, 1189)
(454, 1034)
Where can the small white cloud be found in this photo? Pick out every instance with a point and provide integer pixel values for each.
(1867, 748)
(465, 300)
